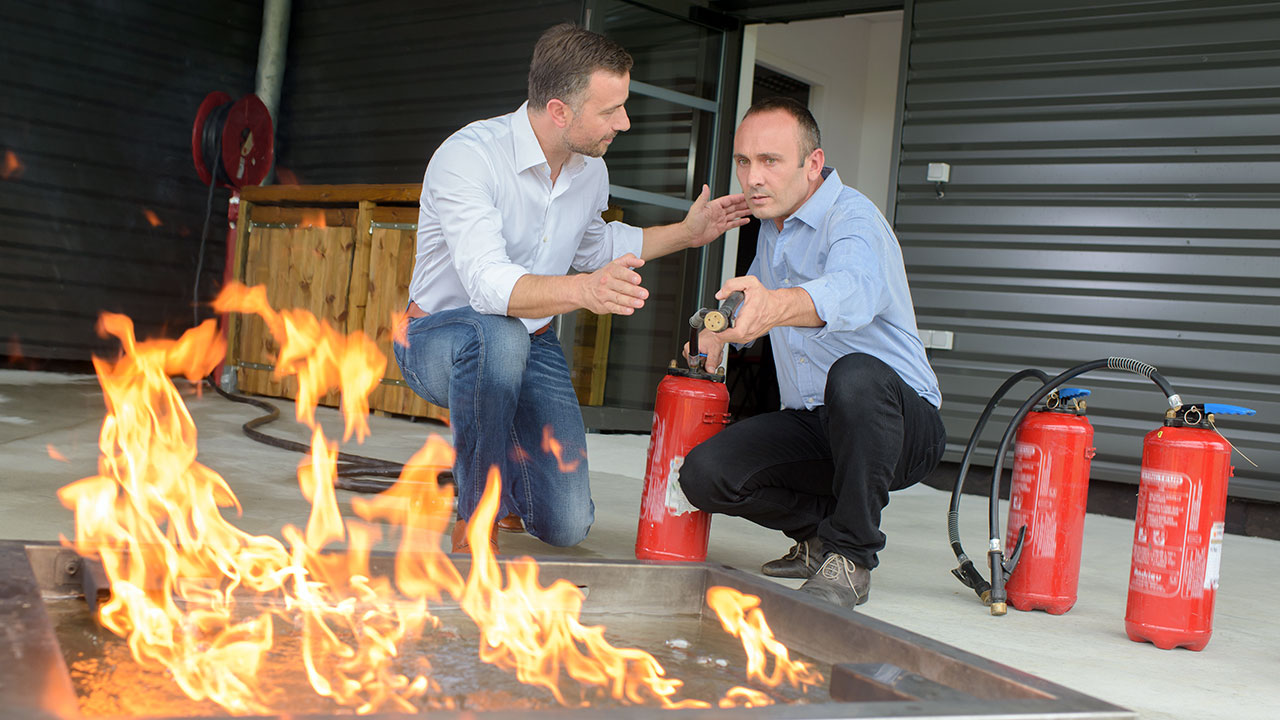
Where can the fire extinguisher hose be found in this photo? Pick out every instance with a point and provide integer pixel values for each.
(999, 569)
(966, 572)
(993, 592)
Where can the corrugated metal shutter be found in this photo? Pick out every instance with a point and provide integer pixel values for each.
(1115, 190)
(372, 88)
(98, 105)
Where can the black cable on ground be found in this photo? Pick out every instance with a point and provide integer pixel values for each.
(356, 473)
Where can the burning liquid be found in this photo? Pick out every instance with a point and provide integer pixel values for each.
(691, 647)
(226, 614)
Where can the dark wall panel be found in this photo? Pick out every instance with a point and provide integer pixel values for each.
(98, 103)
(372, 88)
(1115, 190)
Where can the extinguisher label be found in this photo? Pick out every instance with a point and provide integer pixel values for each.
(1168, 549)
(1214, 562)
(1025, 500)
(676, 502)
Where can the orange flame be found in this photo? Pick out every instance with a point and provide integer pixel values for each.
(535, 630)
(744, 697)
(151, 217)
(320, 356)
(201, 599)
(285, 176)
(313, 218)
(12, 166)
(740, 615)
(54, 454)
(551, 445)
(400, 327)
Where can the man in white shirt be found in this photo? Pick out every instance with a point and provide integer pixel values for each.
(508, 206)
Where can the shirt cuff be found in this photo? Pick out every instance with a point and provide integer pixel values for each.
(496, 286)
(501, 283)
(826, 302)
(626, 239)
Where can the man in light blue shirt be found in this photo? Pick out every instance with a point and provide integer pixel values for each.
(859, 401)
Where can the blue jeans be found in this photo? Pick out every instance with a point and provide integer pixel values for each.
(506, 391)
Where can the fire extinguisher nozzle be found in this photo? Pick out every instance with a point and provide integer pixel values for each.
(998, 609)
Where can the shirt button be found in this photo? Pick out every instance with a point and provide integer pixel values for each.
(544, 238)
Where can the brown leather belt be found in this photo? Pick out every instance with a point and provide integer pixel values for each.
(413, 311)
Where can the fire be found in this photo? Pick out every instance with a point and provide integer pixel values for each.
(285, 176)
(740, 615)
(54, 454)
(313, 218)
(202, 600)
(152, 218)
(400, 328)
(13, 167)
(551, 445)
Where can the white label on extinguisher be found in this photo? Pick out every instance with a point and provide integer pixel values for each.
(677, 503)
(1214, 561)
(1160, 541)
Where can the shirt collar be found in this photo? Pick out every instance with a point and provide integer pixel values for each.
(815, 208)
(528, 151)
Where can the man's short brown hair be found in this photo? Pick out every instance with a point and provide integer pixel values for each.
(810, 136)
(563, 61)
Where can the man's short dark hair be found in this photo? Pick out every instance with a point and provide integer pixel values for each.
(563, 61)
(810, 137)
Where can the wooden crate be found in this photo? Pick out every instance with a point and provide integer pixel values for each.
(346, 252)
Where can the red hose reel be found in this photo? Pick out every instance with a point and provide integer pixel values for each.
(235, 139)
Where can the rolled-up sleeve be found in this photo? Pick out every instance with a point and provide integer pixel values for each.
(602, 241)
(461, 185)
(851, 291)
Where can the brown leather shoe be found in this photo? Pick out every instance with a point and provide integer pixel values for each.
(460, 544)
(511, 523)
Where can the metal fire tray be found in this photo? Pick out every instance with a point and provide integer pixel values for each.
(877, 670)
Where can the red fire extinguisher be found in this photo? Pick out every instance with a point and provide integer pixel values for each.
(1047, 502)
(692, 405)
(689, 409)
(1177, 539)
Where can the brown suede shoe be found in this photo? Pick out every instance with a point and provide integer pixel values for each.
(511, 523)
(460, 544)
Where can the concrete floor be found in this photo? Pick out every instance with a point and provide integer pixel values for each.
(1086, 649)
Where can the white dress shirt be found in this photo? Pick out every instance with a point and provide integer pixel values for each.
(489, 214)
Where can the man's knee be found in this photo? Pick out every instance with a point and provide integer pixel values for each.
(502, 347)
(569, 527)
(857, 377)
(702, 477)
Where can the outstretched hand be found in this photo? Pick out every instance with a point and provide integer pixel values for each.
(709, 219)
(614, 288)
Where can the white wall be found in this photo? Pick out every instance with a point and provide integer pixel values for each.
(851, 64)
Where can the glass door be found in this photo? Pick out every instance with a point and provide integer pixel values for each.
(681, 105)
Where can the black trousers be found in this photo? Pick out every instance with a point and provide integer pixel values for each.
(826, 471)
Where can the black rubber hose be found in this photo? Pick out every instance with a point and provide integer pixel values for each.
(966, 572)
(355, 472)
(995, 556)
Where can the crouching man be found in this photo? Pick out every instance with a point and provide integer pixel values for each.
(859, 413)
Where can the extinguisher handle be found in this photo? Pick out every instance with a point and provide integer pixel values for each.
(1221, 409)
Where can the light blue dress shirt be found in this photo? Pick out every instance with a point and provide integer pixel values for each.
(841, 250)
